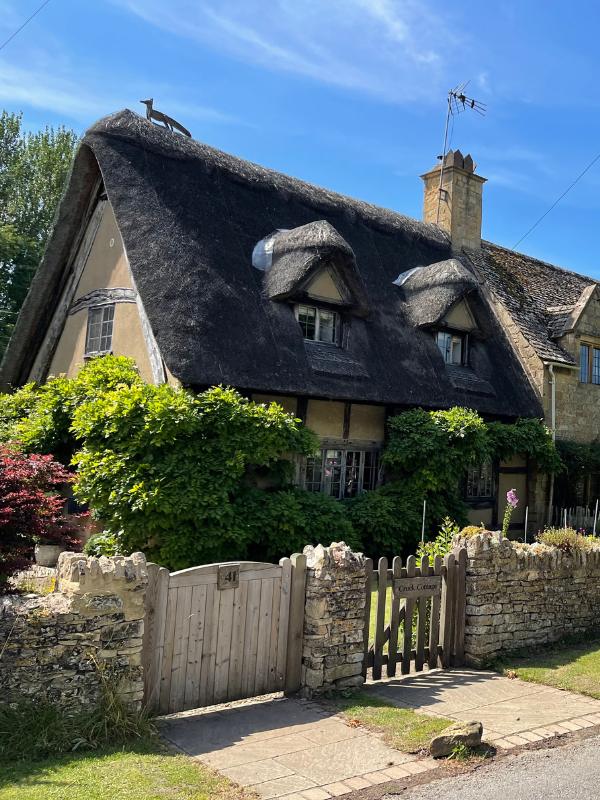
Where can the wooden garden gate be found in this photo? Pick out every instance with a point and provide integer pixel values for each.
(419, 614)
(222, 632)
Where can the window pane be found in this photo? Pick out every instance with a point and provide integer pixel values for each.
(480, 480)
(369, 471)
(327, 320)
(444, 341)
(456, 350)
(313, 473)
(596, 365)
(584, 363)
(351, 480)
(332, 476)
(325, 471)
(99, 330)
(307, 316)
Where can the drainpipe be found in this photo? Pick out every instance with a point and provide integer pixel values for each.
(553, 423)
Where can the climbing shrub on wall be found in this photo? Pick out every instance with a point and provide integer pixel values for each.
(425, 458)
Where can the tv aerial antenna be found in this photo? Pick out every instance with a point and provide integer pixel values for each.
(457, 103)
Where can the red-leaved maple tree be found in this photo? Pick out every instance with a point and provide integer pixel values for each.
(31, 510)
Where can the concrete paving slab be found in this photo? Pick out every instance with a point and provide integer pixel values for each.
(506, 707)
(282, 786)
(256, 772)
(346, 759)
(285, 747)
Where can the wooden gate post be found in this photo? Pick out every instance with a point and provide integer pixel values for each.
(447, 612)
(293, 672)
(460, 608)
(154, 633)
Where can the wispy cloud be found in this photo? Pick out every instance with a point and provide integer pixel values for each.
(397, 50)
(85, 98)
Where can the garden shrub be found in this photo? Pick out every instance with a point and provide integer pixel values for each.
(30, 508)
(566, 539)
(278, 523)
(105, 543)
(40, 417)
(165, 466)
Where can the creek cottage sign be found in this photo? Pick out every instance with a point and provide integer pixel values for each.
(428, 586)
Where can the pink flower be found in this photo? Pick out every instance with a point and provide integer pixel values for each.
(511, 498)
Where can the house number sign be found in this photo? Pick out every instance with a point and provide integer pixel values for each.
(228, 577)
(419, 587)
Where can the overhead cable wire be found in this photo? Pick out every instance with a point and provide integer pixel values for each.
(27, 21)
(557, 201)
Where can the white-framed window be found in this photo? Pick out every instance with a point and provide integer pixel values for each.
(341, 473)
(318, 324)
(480, 481)
(453, 347)
(98, 338)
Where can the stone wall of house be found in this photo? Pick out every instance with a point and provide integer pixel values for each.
(332, 646)
(60, 646)
(525, 595)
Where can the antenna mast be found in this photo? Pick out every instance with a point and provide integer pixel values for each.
(457, 102)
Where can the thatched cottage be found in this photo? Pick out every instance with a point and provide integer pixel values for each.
(211, 270)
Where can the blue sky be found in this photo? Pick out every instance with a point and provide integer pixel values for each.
(348, 94)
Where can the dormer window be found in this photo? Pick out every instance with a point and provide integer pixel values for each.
(453, 347)
(318, 324)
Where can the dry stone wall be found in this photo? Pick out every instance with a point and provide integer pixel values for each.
(333, 651)
(525, 595)
(57, 647)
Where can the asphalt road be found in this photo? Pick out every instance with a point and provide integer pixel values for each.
(571, 772)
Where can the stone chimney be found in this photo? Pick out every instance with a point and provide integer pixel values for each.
(460, 200)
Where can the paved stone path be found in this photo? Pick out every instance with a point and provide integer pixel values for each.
(294, 749)
(289, 748)
(513, 712)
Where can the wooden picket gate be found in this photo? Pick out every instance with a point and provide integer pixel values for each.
(222, 632)
(425, 623)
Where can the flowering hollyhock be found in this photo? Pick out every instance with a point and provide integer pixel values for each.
(30, 508)
(511, 503)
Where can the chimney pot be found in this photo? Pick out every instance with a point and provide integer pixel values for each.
(456, 206)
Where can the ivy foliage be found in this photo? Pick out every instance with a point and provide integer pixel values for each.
(425, 459)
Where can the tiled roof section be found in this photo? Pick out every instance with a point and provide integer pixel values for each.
(540, 297)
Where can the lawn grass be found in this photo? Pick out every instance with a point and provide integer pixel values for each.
(144, 771)
(575, 667)
(402, 728)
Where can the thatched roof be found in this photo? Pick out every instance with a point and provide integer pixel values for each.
(190, 217)
(544, 300)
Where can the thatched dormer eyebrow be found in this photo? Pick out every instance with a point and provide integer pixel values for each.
(432, 291)
(300, 253)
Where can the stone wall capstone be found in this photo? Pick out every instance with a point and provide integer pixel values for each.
(332, 646)
(526, 595)
(55, 647)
